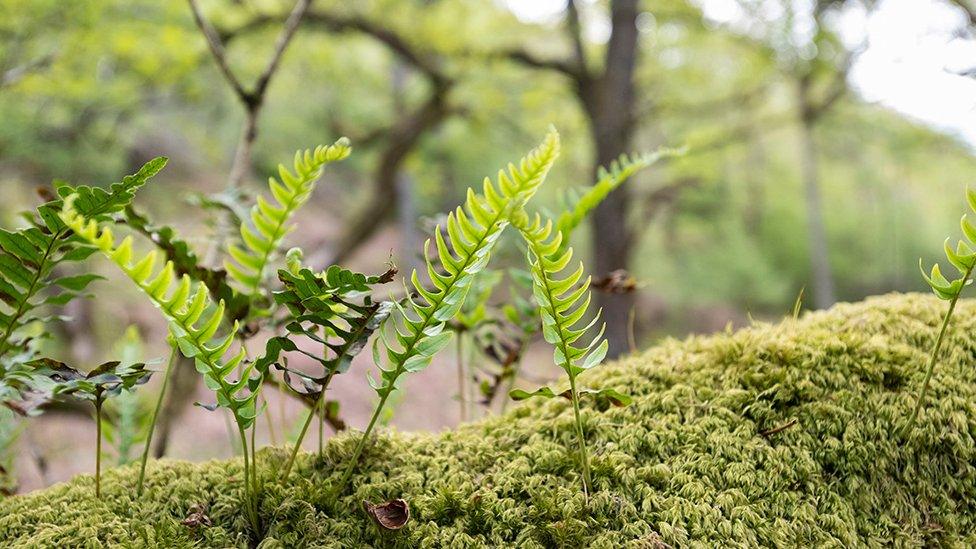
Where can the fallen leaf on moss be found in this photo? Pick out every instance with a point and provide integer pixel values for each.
(391, 515)
(197, 517)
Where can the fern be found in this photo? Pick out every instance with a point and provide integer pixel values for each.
(108, 379)
(270, 219)
(472, 231)
(185, 309)
(963, 258)
(193, 329)
(607, 181)
(563, 305)
(334, 309)
(28, 258)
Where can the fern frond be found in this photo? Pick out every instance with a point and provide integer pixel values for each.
(28, 257)
(963, 258)
(334, 309)
(471, 233)
(96, 202)
(187, 261)
(186, 309)
(269, 223)
(563, 298)
(607, 181)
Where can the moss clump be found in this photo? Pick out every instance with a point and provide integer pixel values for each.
(687, 464)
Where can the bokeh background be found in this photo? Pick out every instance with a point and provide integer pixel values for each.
(826, 146)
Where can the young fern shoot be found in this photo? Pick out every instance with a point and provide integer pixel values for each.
(563, 304)
(270, 221)
(472, 232)
(963, 258)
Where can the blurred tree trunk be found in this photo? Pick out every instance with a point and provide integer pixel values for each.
(823, 279)
(608, 100)
(607, 97)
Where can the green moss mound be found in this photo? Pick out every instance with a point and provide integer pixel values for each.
(692, 463)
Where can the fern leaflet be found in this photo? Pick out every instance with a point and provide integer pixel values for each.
(270, 219)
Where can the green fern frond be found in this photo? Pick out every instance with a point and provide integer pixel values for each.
(471, 233)
(29, 283)
(963, 258)
(96, 202)
(563, 298)
(607, 181)
(185, 307)
(269, 223)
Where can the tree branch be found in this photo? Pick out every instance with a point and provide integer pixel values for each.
(414, 57)
(252, 99)
(574, 29)
(281, 44)
(529, 60)
(217, 50)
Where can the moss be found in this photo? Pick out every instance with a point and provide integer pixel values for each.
(687, 464)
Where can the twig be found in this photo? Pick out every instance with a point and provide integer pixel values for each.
(783, 427)
(252, 99)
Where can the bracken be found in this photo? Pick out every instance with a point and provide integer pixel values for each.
(782, 435)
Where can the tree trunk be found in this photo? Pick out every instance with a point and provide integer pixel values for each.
(609, 105)
(823, 280)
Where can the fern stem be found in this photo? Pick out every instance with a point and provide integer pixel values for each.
(935, 355)
(98, 447)
(321, 426)
(249, 498)
(462, 379)
(254, 465)
(155, 416)
(359, 447)
(583, 453)
(298, 443)
(308, 422)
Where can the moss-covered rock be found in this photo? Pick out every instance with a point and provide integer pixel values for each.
(779, 435)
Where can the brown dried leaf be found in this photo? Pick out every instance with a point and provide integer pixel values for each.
(197, 517)
(391, 515)
(617, 282)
